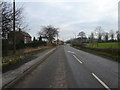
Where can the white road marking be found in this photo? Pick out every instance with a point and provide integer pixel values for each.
(101, 82)
(77, 59)
(71, 52)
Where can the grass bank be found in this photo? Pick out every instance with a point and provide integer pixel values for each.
(104, 53)
(21, 55)
(104, 45)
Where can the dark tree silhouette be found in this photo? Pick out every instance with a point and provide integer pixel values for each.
(82, 34)
(118, 35)
(40, 38)
(34, 39)
(106, 36)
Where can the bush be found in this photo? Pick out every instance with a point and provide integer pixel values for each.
(32, 44)
(53, 44)
(5, 47)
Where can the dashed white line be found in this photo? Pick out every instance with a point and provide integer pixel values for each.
(77, 59)
(71, 52)
(101, 82)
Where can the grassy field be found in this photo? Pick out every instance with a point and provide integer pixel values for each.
(109, 50)
(103, 45)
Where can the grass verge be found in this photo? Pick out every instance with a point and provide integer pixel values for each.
(13, 59)
(103, 45)
(103, 54)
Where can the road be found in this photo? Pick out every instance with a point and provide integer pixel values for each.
(68, 67)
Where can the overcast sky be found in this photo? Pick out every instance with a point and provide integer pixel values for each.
(71, 16)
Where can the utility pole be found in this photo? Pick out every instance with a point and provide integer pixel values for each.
(14, 35)
(57, 39)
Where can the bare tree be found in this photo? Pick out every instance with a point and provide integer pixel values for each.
(7, 18)
(49, 32)
(6, 15)
(111, 35)
(92, 36)
(106, 36)
(99, 33)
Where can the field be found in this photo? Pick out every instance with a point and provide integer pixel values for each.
(109, 50)
(103, 45)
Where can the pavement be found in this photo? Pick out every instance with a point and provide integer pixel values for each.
(13, 75)
(68, 67)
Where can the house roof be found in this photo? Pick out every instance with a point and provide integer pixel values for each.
(21, 32)
(25, 34)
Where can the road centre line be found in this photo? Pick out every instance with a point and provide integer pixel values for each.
(101, 82)
(77, 59)
(71, 52)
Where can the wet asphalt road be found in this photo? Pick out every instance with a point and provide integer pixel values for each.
(68, 67)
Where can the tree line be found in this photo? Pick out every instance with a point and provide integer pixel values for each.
(103, 36)
(98, 36)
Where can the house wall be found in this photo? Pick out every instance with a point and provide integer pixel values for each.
(27, 39)
(20, 38)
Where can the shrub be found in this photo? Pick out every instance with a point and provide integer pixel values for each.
(32, 44)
